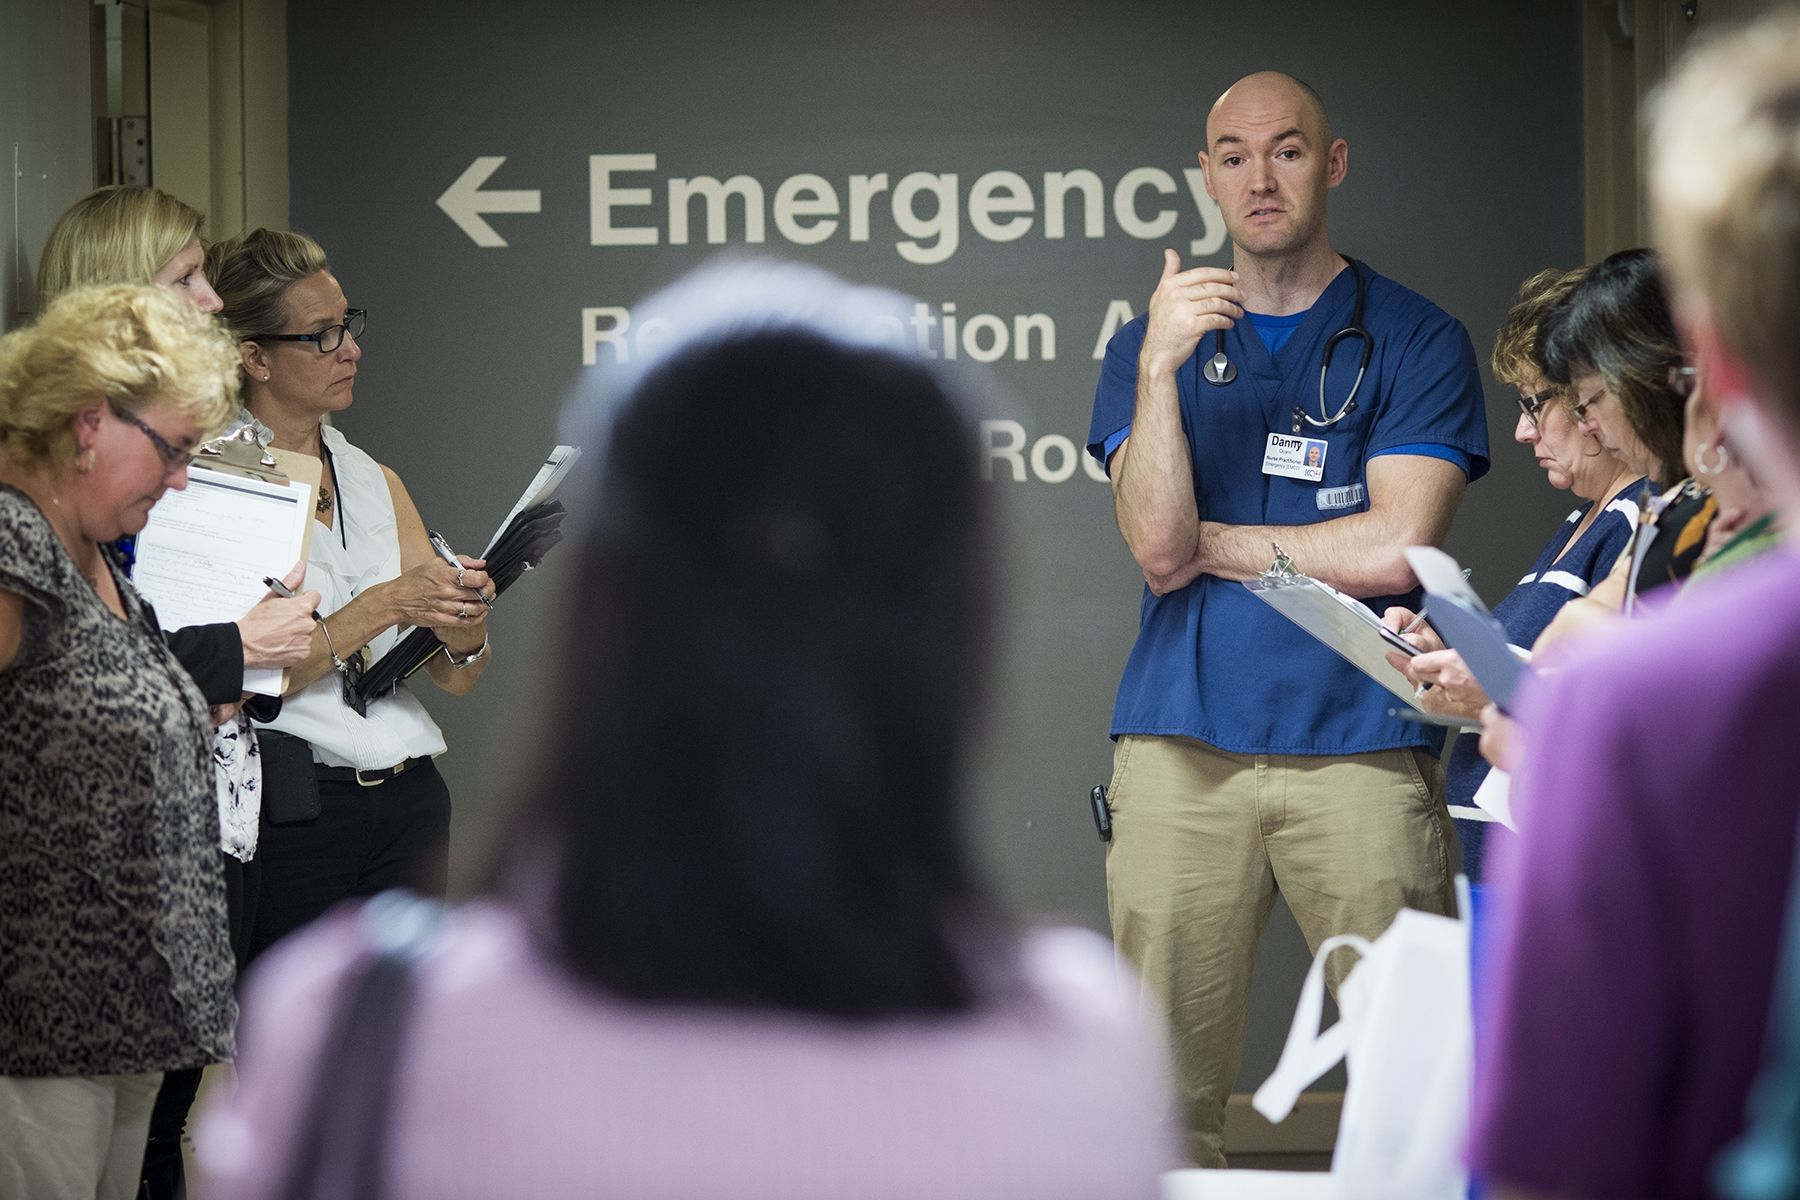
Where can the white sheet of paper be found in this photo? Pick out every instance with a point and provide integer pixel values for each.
(202, 556)
(1495, 796)
(542, 487)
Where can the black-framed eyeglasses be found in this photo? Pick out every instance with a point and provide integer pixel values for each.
(1533, 404)
(172, 456)
(1682, 381)
(1581, 410)
(328, 338)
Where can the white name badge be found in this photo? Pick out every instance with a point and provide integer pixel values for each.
(1295, 457)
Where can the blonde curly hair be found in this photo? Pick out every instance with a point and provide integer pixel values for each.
(1517, 356)
(135, 344)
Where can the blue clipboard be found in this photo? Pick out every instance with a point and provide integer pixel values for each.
(1473, 633)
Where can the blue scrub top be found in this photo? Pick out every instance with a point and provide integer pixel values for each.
(1212, 661)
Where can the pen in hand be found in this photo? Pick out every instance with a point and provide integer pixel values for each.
(1414, 626)
(1418, 621)
(286, 593)
(448, 555)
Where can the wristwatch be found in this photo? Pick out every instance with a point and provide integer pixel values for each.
(460, 663)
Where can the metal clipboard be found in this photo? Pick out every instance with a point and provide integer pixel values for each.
(240, 453)
(1345, 624)
(164, 564)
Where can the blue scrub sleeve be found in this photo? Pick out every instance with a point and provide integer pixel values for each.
(1113, 442)
(1442, 406)
(1449, 454)
(1115, 396)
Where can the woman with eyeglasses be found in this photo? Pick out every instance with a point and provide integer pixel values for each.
(353, 803)
(126, 234)
(115, 964)
(1578, 555)
(1612, 340)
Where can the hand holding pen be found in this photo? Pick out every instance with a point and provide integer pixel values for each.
(1411, 626)
(277, 631)
(450, 556)
(285, 591)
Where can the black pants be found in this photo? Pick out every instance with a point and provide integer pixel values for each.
(163, 1178)
(365, 840)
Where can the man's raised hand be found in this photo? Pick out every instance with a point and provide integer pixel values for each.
(1186, 306)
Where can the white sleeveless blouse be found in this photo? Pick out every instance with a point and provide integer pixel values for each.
(361, 550)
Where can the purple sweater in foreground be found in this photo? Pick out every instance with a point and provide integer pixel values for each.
(517, 1082)
(1640, 918)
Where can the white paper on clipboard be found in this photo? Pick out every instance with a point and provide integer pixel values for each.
(1351, 629)
(202, 556)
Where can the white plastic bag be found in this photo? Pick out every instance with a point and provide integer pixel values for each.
(1406, 1035)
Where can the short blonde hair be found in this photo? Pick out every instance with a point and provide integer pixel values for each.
(115, 235)
(1725, 195)
(135, 344)
(1517, 355)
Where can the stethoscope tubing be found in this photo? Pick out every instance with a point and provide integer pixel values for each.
(1219, 370)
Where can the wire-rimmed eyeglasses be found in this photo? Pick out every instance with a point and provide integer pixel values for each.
(172, 456)
(328, 338)
(1581, 410)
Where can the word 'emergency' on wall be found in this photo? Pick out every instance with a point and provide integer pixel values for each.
(927, 210)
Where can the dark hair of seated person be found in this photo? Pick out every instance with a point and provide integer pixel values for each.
(1617, 322)
(749, 790)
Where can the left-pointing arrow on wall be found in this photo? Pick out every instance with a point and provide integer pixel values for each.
(464, 201)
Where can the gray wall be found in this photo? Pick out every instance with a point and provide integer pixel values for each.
(1464, 132)
(46, 135)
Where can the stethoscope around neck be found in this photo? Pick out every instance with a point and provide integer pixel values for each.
(1219, 370)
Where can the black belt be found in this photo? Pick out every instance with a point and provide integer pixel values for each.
(368, 777)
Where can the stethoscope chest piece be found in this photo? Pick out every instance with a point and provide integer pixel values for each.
(1219, 370)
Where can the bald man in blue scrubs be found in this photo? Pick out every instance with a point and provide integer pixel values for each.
(1250, 759)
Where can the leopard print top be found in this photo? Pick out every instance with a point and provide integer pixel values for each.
(113, 950)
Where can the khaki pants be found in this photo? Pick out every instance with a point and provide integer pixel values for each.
(72, 1138)
(1203, 839)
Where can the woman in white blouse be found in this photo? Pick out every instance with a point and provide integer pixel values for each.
(352, 801)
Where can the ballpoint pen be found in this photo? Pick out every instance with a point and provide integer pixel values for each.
(287, 593)
(448, 555)
(1419, 620)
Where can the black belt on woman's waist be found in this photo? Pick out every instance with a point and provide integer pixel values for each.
(367, 777)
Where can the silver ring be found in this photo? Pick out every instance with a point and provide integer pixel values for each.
(459, 577)
(462, 612)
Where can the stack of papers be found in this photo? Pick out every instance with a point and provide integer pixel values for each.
(526, 535)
